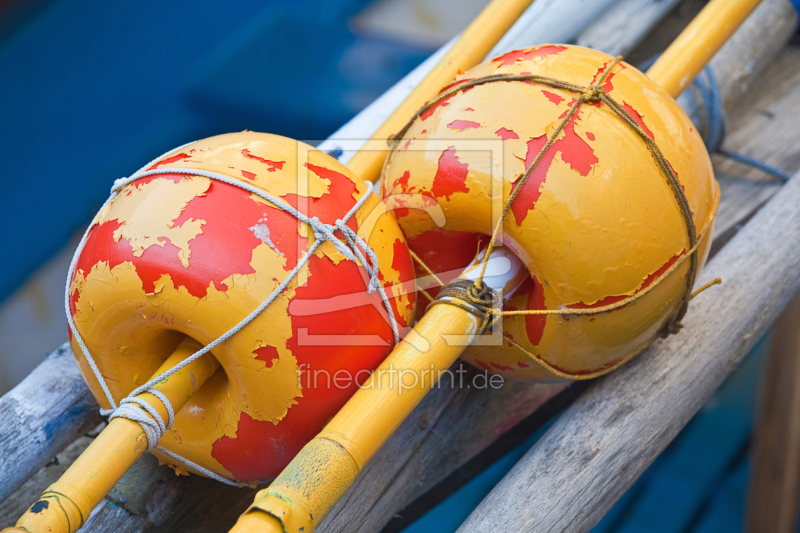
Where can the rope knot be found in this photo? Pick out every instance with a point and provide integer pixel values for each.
(672, 327)
(321, 231)
(137, 409)
(474, 297)
(593, 93)
(118, 185)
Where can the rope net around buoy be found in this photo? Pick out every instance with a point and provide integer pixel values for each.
(133, 408)
(489, 308)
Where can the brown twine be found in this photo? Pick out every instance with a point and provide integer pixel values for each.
(421, 263)
(457, 293)
(474, 297)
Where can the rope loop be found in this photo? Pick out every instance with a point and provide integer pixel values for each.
(474, 297)
(118, 185)
(138, 409)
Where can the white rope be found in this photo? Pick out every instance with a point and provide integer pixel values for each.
(135, 409)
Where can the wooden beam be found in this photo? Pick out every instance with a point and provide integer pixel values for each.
(39, 417)
(618, 30)
(775, 482)
(615, 430)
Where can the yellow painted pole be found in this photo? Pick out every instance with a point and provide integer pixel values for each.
(66, 504)
(698, 42)
(469, 50)
(326, 467)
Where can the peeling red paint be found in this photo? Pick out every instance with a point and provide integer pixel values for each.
(169, 160)
(229, 212)
(248, 175)
(445, 101)
(502, 367)
(530, 192)
(451, 175)
(268, 354)
(469, 109)
(534, 324)
(333, 205)
(522, 365)
(273, 165)
(678, 178)
(506, 134)
(553, 97)
(462, 125)
(483, 365)
(525, 55)
(261, 449)
(402, 181)
(402, 264)
(574, 151)
(638, 118)
(609, 300)
(590, 135)
(608, 84)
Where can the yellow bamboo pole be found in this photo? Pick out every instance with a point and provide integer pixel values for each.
(326, 467)
(469, 50)
(66, 504)
(698, 42)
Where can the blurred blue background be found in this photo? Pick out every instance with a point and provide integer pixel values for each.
(91, 90)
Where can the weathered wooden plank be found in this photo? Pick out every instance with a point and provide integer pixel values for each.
(551, 21)
(619, 29)
(762, 35)
(40, 416)
(17, 503)
(676, 487)
(775, 485)
(612, 433)
(766, 131)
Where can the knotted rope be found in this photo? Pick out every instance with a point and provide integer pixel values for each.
(137, 409)
(590, 94)
(474, 297)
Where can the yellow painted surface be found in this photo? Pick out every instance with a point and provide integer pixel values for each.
(470, 49)
(698, 42)
(67, 503)
(131, 324)
(597, 226)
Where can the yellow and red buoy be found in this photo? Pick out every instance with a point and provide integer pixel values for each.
(177, 255)
(595, 222)
(176, 259)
